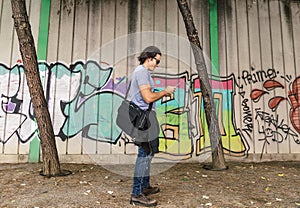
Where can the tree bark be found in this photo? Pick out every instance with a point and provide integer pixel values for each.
(218, 160)
(51, 166)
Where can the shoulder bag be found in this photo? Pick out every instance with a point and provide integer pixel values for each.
(130, 117)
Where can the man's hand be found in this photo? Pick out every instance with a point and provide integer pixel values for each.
(170, 90)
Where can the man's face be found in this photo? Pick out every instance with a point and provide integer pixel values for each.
(154, 62)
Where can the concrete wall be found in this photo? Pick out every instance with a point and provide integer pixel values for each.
(88, 50)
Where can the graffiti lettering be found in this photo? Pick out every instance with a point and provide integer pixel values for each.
(88, 108)
(279, 126)
(247, 117)
(258, 76)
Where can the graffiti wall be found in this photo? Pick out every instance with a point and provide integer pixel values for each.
(89, 57)
(89, 112)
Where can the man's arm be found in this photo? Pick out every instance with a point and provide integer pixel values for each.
(150, 96)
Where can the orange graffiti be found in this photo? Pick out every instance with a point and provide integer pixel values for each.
(294, 97)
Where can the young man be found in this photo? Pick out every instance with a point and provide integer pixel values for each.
(142, 94)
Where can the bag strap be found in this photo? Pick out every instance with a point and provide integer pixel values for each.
(150, 104)
(127, 92)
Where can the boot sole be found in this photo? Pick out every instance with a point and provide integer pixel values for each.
(142, 204)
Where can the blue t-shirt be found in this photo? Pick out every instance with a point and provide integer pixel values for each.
(140, 76)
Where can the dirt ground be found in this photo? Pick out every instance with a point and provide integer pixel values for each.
(273, 184)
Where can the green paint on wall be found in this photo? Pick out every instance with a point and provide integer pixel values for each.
(34, 149)
(43, 30)
(214, 45)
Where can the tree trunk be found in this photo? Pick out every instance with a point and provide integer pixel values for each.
(218, 160)
(51, 166)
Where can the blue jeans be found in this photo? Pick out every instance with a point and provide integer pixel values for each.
(141, 172)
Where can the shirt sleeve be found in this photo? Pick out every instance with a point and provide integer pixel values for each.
(142, 77)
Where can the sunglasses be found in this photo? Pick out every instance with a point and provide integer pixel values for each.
(157, 61)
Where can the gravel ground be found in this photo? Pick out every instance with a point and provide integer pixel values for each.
(272, 184)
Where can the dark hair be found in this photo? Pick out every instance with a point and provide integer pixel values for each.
(149, 52)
